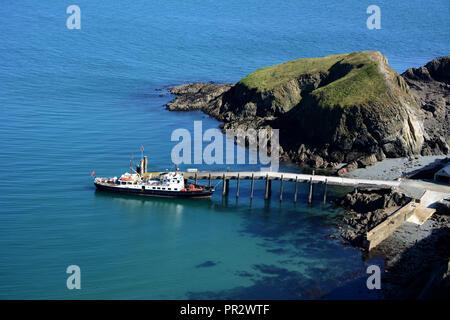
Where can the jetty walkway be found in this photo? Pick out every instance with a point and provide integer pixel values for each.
(270, 176)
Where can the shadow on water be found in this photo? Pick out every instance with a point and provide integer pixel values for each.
(309, 266)
(282, 283)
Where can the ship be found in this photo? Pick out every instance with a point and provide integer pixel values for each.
(153, 184)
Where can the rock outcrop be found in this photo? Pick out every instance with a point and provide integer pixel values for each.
(367, 209)
(348, 108)
(197, 96)
(443, 207)
(430, 86)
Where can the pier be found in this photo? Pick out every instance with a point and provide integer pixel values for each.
(413, 188)
(285, 176)
(312, 179)
(268, 177)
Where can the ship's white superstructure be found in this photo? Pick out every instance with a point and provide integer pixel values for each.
(169, 184)
(170, 181)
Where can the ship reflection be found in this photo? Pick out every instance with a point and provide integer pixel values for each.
(140, 209)
(175, 205)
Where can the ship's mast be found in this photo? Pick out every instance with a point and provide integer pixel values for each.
(131, 162)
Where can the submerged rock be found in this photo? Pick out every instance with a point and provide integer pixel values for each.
(206, 264)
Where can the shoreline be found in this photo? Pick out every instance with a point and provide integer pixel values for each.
(413, 255)
(395, 168)
(416, 257)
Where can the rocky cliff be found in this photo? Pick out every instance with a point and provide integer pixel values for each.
(430, 86)
(348, 108)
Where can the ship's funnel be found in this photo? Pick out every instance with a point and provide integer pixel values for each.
(145, 164)
(141, 168)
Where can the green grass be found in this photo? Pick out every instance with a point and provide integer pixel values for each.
(271, 77)
(359, 86)
(363, 84)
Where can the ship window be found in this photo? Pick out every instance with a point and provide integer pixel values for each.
(158, 188)
(169, 189)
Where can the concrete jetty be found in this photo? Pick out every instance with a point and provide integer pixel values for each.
(285, 176)
(269, 176)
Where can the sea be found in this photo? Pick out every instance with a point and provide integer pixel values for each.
(78, 101)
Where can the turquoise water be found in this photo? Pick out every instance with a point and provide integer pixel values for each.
(74, 101)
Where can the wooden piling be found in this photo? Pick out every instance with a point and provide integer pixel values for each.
(268, 187)
(310, 195)
(251, 188)
(224, 186)
(209, 180)
(195, 178)
(281, 188)
(325, 192)
(296, 188)
(227, 182)
(237, 187)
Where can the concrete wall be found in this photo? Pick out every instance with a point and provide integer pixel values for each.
(375, 236)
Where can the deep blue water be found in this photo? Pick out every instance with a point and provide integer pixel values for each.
(74, 101)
